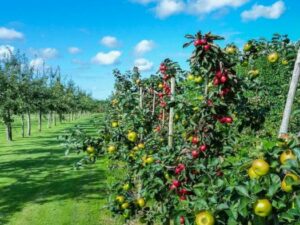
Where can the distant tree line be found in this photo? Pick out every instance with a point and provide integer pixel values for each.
(26, 90)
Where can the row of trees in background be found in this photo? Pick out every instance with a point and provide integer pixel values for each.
(25, 90)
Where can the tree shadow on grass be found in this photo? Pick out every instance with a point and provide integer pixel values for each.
(39, 173)
(31, 185)
(46, 178)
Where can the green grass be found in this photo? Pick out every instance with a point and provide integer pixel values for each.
(38, 184)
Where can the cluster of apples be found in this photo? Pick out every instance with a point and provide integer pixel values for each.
(90, 150)
(166, 90)
(272, 57)
(125, 202)
(287, 186)
(259, 168)
(221, 78)
(196, 148)
(224, 119)
(202, 42)
(135, 149)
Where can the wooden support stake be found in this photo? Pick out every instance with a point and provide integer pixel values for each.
(171, 114)
(153, 104)
(291, 95)
(141, 97)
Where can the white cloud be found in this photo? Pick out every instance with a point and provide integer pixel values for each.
(37, 63)
(5, 51)
(74, 50)
(269, 12)
(107, 58)
(10, 34)
(109, 41)
(167, 8)
(48, 53)
(144, 46)
(200, 7)
(143, 64)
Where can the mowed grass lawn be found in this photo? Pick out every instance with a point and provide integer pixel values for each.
(38, 184)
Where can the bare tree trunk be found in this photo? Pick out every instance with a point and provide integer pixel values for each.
(28, 123)
(40, 120)
(54, 118)
(23, 125)
(290, 99)
(49, 119)
(8, 127)
(8, 131)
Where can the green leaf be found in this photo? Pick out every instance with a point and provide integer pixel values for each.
(243, 207)
(274, 186)
(297, 152)
(222, 206)
(242, 190)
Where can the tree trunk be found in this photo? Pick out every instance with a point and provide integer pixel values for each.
(60, 117)
(23, 125)
(49, 119)
(54, 118)
(8, 127)
(8, 131)
(28, 123)
(40, 120)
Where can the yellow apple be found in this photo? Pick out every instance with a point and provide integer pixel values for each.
(260, 167)
(262, 207)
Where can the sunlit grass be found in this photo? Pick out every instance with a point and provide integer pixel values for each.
(38, 184)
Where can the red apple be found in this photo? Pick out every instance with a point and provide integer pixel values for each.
(216, 81)
(223, 79)
(207, 47)
(182, 197)
(181, 166)
(229, 119)
(203, 148)
(177, 171)
(195, 154)
(163, 104)
(163, 67)
(176, 183)
(172, 187)
(210, 102)
(182, 220)
(195, 140)
(203, 41)
(183, 191)
(197, 42)
(219, 74)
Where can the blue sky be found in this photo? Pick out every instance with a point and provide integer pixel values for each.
(88, 39)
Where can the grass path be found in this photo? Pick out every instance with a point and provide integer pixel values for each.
(38, 185)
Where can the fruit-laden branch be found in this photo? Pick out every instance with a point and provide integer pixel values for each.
(290, 98)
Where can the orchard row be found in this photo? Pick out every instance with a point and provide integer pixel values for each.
(25, 90)
(198, 146)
